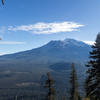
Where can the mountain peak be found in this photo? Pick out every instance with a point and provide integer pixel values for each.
(54, 51)
(67, 42)
(74, 42)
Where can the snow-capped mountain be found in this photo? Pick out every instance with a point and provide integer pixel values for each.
(54, 51)
(55, 57)
(68, 42)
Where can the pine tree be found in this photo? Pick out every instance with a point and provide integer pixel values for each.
(50, 85)
(74, 95)
(93, 79)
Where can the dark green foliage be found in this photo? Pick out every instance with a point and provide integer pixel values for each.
(74, 95)
(93, 80)
(49, 84)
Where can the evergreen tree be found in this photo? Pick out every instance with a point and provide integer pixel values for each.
(50, 85)
(74, 95)
(93, 79)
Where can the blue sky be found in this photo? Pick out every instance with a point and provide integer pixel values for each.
(27, 24)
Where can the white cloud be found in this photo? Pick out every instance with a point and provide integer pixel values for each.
(47, 28)
(11, 42)
(89, 42)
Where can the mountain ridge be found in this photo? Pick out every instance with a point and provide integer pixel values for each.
(70, 40)
(54, 51)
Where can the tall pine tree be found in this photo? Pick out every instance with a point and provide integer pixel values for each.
(93, 79)
(74, 94)
(50, 85)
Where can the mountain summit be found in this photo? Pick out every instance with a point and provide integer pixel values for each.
(67, 50)
(68, 42)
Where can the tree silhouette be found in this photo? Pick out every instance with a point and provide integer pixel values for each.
(49, 84)
(93, 79)
(74, 94)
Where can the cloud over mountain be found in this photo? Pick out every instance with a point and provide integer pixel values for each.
(47, 28)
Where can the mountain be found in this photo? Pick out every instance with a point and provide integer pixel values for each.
(29, 67)
(68, 50)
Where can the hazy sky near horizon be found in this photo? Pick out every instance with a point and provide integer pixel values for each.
(27, 24)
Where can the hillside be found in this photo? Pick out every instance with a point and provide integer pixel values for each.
(26, 69)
